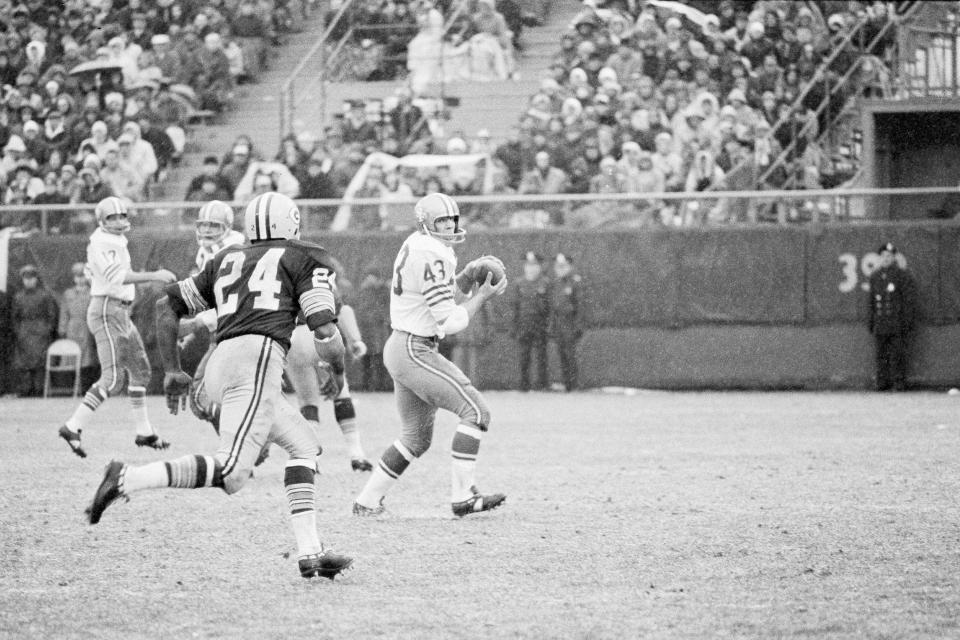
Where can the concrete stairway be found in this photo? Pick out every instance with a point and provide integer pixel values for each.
(256, 112)
(491, 105)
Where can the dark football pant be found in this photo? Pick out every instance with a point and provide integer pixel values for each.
(891, 362)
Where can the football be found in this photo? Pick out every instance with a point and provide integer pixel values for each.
(488, 264)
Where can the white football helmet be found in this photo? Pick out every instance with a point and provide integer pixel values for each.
(112, 215)
(437, 206)
(271, 216)
(214, 220)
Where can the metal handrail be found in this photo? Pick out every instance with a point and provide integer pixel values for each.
(287, 97)
(892, 21)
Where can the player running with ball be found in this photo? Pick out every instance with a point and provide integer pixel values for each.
(424, 307)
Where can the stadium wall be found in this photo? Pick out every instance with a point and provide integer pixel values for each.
(722, 308)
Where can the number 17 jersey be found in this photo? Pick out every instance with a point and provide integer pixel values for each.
(260, 288)
(423, 286)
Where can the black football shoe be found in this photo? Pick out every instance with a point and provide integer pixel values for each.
(153, 441)
(72, 439)
(361, 464)
(325, 564)
(477, 503)
(110, 489)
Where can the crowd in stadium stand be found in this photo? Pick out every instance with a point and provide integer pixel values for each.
(429, 42)
(97, 97)
(652, 100)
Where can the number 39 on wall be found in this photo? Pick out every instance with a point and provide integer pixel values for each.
(851, 268)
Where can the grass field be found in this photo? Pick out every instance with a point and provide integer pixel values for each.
(661, 515)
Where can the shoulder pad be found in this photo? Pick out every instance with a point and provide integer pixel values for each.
(314, 251)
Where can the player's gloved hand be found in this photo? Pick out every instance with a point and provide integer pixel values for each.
(330, 382)
(358, 349)
(165, 276)
(176, 387)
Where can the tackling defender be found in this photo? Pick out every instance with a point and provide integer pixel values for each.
(257, 291)
(424, 308)
(119, 346)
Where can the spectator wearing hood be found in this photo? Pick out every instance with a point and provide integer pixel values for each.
(142, 156)
(215, 82)
(14, 152)
(121, 177)
(93, 189)
(97, 142)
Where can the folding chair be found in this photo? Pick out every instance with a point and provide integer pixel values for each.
(62, 356)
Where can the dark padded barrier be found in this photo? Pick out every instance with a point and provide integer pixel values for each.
(741, 276)
(762, 307)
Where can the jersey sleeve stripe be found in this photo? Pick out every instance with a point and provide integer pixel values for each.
(437, 293)
(191, 296)
(440, 300)
(435, 287)
(317, 301)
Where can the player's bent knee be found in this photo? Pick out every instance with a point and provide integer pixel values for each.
(416, 446)
(236, 480)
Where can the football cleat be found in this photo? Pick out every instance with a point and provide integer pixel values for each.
(72, 439)
(108, 491)
(325, 564)
(361, 464)
(478, 503)
(154, 441)
(367, 512)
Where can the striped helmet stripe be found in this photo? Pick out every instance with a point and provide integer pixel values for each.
(266, 216)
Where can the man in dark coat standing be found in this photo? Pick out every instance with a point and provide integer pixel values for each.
(893, 313)
(35, 316)
(566, 318)
(531, 317)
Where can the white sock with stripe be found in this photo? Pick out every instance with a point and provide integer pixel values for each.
(138, 410)
(466, 445)
(298, 481)
(84, 411)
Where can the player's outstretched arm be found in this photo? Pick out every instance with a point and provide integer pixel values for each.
(329, 346)
(176, 383)
(350, 331)
(164, 276)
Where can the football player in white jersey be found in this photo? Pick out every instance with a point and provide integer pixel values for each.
(428, 301)
(119, 346)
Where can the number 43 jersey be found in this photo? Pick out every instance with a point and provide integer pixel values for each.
(423, 286)
(260, 288)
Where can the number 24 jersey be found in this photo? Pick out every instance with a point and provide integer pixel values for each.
(260, 288)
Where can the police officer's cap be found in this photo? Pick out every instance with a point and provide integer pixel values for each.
(531, 257)
(887, 246)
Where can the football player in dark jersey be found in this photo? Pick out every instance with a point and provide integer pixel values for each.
(257, 290)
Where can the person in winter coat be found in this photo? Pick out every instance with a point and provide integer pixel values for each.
(35, 315)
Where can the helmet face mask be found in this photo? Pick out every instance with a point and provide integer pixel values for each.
(112, 216)
(434, 208)
(271, 216)
(214, 220)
